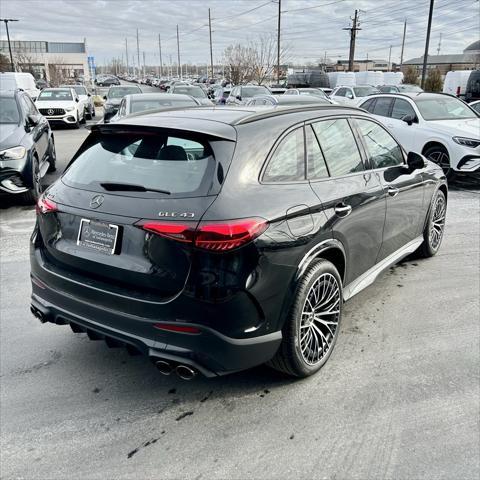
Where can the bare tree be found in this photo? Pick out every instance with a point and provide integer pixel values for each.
(4, 63)
(255, 61)
(24, 62)
(57, 72)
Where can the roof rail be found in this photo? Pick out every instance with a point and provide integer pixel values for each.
(284, 110)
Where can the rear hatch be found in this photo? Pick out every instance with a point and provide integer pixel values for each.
(110, 220)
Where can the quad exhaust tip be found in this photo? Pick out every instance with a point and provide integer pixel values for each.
(183, 371)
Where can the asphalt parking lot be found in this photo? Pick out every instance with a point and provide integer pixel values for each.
(399, 397)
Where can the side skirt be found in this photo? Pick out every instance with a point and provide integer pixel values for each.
(370, 275)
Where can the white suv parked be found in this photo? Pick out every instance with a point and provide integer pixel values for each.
(352, 96)
(441, 127)
(61, 106)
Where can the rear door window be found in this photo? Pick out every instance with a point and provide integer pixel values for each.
(287, 163)
(339, 147)
(382, 106)
(182, 166)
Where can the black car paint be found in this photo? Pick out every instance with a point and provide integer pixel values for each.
(34, 134)
(239, 299)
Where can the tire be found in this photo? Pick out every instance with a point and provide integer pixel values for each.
(435, 226)
(76, 125)
(439, 155)
(52, 157)
(307, 343)
(31, 196)
(84, 118)
(93, 113)
(89, 114)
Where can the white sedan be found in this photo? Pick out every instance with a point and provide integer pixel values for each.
(441, 127)
(352, 96)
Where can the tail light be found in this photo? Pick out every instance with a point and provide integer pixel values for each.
(176, 328)
(45, 205)
(458, 91)
(214, 236)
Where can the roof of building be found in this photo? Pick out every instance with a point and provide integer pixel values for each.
(473, 46)
(445, 59)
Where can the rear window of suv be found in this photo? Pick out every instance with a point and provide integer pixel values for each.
(172, 163)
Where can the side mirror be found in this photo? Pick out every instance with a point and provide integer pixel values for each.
(415, 161)
(104, 97)
(409, 119)
(239, 97)
(89, 94)
(77, 100)
(32, 121)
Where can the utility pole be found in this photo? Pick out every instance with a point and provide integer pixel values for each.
(144, 64)
(390, 59)
(403, 41)
(439, 44)
(211, 49)
(427, 42)
(278, 39)
(178, 55)
(138, 53)
(353, 35)
(126, 55)
(160, 52)
(6, 20)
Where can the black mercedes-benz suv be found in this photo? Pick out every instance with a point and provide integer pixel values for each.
(216, 239)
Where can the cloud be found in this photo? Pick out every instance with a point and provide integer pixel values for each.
(309, 32)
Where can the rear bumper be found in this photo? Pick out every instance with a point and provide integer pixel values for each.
(209, 352)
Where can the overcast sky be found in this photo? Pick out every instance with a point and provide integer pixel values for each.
(308, 27)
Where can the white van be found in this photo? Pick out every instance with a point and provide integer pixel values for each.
(14, 80)
(456, 82)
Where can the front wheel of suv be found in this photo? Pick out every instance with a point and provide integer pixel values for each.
(439, 155)
(312, 326)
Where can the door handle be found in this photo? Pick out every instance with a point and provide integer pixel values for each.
(342, 210)
(392, 191)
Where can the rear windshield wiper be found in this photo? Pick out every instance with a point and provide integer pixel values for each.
(129, 187)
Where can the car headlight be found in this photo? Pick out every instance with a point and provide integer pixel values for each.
(467, 142)
(69, 109)
(15, 153)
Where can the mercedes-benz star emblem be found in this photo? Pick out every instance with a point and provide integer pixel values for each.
(96, 201)
(50, 111)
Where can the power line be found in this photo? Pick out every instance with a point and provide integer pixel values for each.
(245, 12)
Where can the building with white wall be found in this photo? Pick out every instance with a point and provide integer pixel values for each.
(49, 59)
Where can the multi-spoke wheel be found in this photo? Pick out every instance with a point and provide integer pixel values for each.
(319, 321)
(433, 232)
(312, 327)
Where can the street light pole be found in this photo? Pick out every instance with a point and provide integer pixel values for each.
(427, 42)
(6, 20)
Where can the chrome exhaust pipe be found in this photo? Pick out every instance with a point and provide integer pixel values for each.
(185, 372)
(165, 368)
(37, 313)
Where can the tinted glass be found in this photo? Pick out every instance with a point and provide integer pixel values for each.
(341, 92)
(339, 147)
(368, 105)
(287, 163)
(252, 91)
(364, 91)
(56, 95)
(9, 110)
(443, 108)
(409, 88)
(476, 107)
(120, 92)
(196, 92)
(382, 106)
(402, 108)
(388, 89)
(164, 101)
(315, 161)
(383, 150)
(80, 90)
(182, 166)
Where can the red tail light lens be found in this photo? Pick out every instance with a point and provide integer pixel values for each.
(175, 231)
(214, 236)
(177, 328)
(224, 236)
(45, 205)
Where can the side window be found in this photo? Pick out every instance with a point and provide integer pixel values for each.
(287, 163)
(339, 147)
(349, 93)
(123, 110)
(368, 105)
(383, 150)
(401, 108)
(315, 161)
(382, 106)
(25, 106)
(341, 92)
